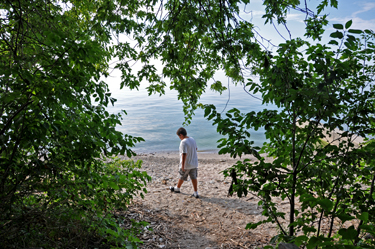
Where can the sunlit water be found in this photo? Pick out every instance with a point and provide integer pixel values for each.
(157, 119)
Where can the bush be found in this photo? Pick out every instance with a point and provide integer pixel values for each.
(76, 209)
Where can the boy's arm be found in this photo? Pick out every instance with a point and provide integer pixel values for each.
(183, 161)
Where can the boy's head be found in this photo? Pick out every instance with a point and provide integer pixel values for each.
(181, 131)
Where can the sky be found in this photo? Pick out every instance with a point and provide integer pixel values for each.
(361, 12)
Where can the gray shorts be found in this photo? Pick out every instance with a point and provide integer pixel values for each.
(193, 173)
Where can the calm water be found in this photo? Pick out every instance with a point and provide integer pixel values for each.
(157, 119)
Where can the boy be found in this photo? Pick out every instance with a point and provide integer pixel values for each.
(188, 162)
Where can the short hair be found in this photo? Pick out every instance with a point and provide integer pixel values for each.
(181, 131)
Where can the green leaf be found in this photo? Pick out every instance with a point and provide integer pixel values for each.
(333, 42)
(326, 204)
(300, 240)
(274, 239)
(313, 242)
(348, 24)
(111, 232)
(113, 185)
(350, 38)
(355, 31)
(337, 34)
(253, 225)
(349, 45)
(307, 229)
(218, 87)
(345, 217)
(349, 233)
(363, 216)
(338, 26)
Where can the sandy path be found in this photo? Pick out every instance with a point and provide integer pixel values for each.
(212, 221)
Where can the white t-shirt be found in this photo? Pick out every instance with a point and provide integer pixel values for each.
(189, 147)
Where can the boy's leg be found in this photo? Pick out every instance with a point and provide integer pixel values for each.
(178, 186)
(180, 182)
(195, 184)
(182, 176)
(193, 176)
(181, 179)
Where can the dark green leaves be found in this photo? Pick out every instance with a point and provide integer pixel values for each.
(344, 217)
(337, 34)
(313, 242)
(355, 31)
(217, 86)
(338, 26)
(349, 233)
(364, 217)
(333, 42)
(326, 204)
(348, 24)
(54, 129)
(317, 92)
(113, 185)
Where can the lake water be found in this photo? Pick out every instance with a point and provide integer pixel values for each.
(157, 119)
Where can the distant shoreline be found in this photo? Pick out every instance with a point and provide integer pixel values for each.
(141, 152)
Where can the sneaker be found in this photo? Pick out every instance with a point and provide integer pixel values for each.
(195, 195)
(173, 190)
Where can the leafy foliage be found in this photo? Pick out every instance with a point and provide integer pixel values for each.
(193, 41)
(54, 129)
(325, 99)
(77, 209)
(317, 92)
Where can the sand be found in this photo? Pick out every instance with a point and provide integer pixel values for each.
(212, 221)
(182, 221)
